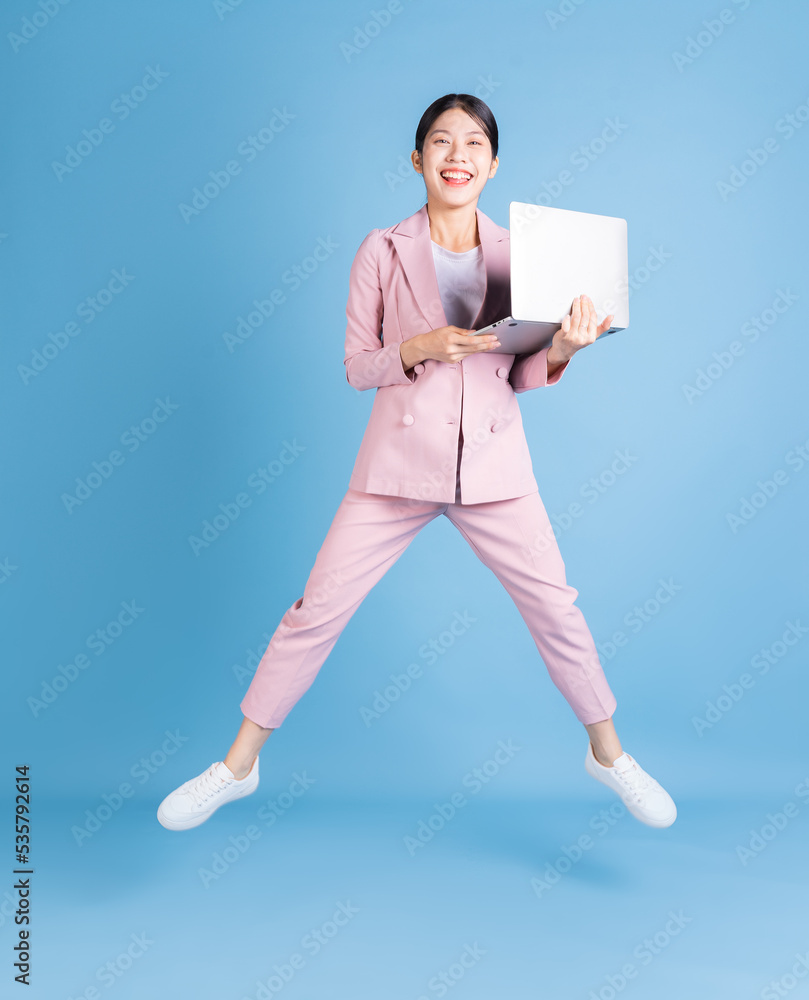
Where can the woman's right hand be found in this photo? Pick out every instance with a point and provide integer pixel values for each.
(452, 343)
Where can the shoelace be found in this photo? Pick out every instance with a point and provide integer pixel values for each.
(205, 786)
(635, 780)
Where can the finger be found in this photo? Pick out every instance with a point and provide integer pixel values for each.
(584, 322)
(478, 341)
(484, 340)
(584, 319)
(603, 327)
(592, 319)
(593, 330)
(587, 317)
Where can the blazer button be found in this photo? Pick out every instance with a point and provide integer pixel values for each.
(419, 368)
(407, 419)
(497, 426)
(502, 372)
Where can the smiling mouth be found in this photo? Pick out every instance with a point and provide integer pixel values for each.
(455, 178)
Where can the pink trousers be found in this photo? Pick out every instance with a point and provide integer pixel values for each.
(369, 532)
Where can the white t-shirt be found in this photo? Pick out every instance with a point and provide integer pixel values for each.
(461, 282)
(462, 286)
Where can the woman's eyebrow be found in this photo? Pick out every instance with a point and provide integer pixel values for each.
(472, 131)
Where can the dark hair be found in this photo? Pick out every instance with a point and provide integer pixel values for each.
(473, 106)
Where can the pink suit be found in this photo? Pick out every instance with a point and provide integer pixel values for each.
(407, 473)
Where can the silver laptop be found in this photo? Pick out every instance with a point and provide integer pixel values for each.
(555, 255)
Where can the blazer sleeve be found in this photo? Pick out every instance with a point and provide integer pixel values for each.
(367, 363)
(530, 371)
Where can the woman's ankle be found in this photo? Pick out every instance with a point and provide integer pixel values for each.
(602, 758)
(238, 768)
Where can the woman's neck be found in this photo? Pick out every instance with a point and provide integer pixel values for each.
(454, 228)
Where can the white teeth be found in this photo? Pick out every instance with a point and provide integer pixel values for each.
(457, 175)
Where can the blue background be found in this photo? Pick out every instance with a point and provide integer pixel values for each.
(337, 168)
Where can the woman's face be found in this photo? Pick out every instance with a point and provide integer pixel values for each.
(455, 144)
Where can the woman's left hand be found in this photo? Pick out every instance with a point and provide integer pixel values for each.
(578, 329)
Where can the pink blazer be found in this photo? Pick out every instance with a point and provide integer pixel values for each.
(410, 445)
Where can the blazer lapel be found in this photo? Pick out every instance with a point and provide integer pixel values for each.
(411, 238)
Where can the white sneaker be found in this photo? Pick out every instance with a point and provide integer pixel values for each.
(198, 799)
(644, 797)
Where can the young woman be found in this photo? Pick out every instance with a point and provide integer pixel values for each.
(445, 436)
